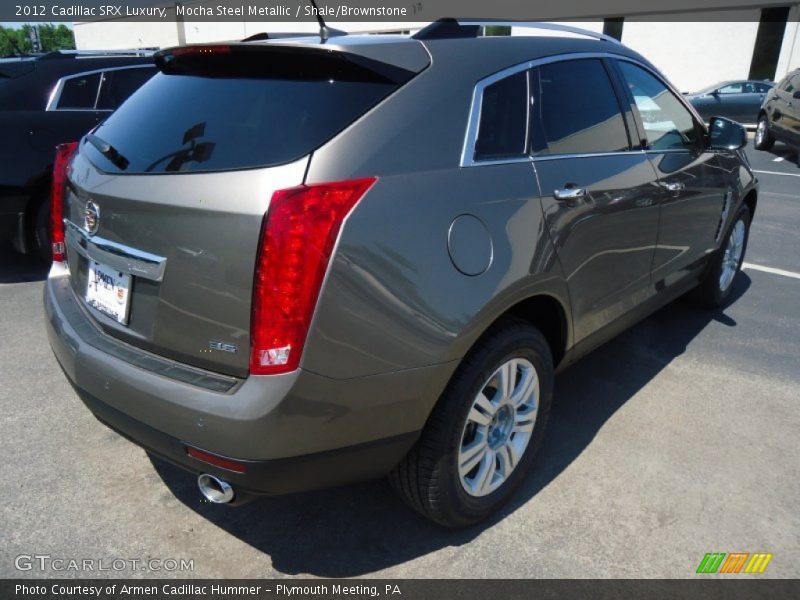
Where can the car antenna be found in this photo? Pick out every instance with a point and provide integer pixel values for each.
(324, 31)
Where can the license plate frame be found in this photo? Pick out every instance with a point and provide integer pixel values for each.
(108, 291)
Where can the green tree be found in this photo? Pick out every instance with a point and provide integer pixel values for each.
(13, 41)
(52, 37)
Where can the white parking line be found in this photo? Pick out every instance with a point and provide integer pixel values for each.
(772, 270)
(777, 173)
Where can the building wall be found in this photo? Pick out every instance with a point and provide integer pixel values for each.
(696, 54)
(122, 34)
(691, 48)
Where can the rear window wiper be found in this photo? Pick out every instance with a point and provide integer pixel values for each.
(108, 151)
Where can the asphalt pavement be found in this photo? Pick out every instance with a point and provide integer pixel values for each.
(678, 438)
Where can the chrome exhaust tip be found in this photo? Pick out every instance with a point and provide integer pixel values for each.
(215, 489)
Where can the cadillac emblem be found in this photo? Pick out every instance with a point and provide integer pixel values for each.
(91, 217)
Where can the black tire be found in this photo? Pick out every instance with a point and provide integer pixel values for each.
(710, 292)
(765, 142)
(428, 478)
(39, 231)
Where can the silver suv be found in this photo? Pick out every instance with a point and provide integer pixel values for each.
(297, 263)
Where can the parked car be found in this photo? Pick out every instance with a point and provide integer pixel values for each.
(288, 265)
(737, 100)
(45, 100)
(779, 118)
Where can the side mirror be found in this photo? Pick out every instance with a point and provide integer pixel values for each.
(724, 134)
(796, 95)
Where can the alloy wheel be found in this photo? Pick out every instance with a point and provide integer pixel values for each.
(499, 427)
(732, 256)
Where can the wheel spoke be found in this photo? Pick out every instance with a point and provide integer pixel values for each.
(507, 375)
(524, 421)
(471, 456)
(526, 388)
(483, 405)
(509, 457)
(483, 479)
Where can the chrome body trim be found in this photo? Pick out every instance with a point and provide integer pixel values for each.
(119, 256)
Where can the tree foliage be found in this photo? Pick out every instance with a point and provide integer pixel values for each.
(51, 37)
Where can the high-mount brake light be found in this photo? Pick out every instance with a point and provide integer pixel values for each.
(64, 154)
(297, 240)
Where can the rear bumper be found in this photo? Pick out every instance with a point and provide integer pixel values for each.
(295, 432)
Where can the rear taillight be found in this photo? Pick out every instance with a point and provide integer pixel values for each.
(297, 241)
(64, 153)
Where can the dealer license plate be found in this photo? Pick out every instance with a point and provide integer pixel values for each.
(109, 291)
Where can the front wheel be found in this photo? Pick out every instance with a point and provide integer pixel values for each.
(763, 139)
(484, 432)
(717, 284)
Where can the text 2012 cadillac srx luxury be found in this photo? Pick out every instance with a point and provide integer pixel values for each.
(296, 263)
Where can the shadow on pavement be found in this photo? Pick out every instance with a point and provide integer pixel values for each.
(19, 268)
(790, 154)
(363, 528)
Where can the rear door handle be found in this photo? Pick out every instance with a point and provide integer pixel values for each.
(570, 192)
(673, 186)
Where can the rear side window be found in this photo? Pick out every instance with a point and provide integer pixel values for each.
(79, 93)
(504, 119)
(668, 124)
(118, 84)
(578, 110)
(220, 119)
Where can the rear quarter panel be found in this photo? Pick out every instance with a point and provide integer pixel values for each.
(393, 299)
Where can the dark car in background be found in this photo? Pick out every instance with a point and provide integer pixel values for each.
(736, 100)
(779, 118)
(45, 100)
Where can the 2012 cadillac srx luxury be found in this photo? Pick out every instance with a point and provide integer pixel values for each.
(296, 263)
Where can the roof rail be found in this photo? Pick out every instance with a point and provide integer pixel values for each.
(467, 28)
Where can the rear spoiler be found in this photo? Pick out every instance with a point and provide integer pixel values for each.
(394, 61)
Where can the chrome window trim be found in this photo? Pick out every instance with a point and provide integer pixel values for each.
(58, 88)
(467, 158)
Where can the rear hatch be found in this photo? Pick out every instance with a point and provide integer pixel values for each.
(165, 200)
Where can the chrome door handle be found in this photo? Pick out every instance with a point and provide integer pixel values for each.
(570, 193)
(673, 186)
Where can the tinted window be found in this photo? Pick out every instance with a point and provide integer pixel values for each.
(504, 119)
(121, 83)
(668, 124)
(578, 109)
(79, 92)
(761, 88)
(733, 88)
(198, 123)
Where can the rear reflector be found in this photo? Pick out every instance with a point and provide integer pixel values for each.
(218, 461)
(64, 153)
(297, 241)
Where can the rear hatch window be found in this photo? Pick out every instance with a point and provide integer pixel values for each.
(236, 107)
